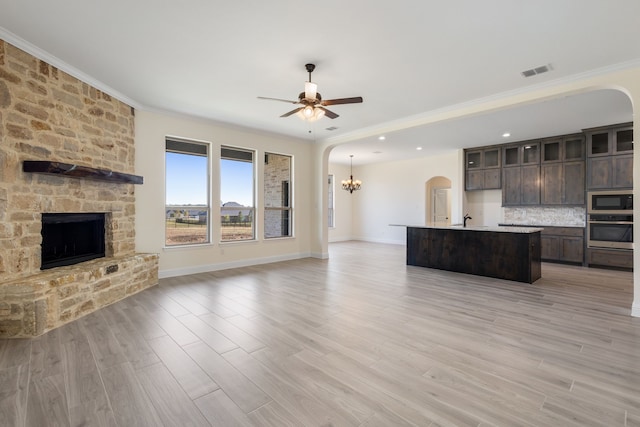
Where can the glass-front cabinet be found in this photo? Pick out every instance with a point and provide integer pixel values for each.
(527, 153)
(610, 157)
(573, 148)
(482, 169)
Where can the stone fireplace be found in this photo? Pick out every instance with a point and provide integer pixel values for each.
(48, 115)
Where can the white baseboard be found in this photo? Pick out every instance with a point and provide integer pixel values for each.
(162, 274)
(339, 239)
(386, 241)
(635, 309)
(320, 255)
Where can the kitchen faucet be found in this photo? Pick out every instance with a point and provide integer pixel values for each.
(465, 218)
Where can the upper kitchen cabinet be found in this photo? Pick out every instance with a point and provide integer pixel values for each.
(562, 171)
(610, 157)
(521, 174)
(526, 153)
(482, 169)
(566, 148)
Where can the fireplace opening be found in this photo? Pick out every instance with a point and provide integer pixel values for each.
(71, 238)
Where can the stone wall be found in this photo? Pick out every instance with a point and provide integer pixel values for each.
(46, 114)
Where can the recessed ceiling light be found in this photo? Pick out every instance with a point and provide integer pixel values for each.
(382, 138)
(418, 148)
(506, 135)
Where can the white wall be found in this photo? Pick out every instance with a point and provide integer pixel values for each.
(484, 207)
(343, 205)
(151, 130)
(394, 193)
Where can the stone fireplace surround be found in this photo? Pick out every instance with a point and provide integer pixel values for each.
(46, 114)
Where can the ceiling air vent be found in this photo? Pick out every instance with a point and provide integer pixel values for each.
(332, 128)
(537, 70)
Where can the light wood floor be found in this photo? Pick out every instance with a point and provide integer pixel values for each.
(357, 340)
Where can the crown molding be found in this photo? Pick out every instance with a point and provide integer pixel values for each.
(39, 53)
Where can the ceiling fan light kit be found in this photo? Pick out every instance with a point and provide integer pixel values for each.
(310, 114)
(312, 106)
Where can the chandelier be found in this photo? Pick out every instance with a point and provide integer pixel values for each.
(351, 184)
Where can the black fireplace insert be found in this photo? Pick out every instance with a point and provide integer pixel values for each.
(71, 238)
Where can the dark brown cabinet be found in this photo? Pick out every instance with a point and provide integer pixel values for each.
(562, 183)
(562, 173)
(521, 174)
(611, 258)
(521, 186)
(554, 171)
(562, 244)
(530, 185)
(610, 157)
(512, 187)
(622, 170)
(551, 184)
(482, 169)
(573, 181)
(506, 255)
(600, 173)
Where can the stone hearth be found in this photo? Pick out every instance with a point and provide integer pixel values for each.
(36, 304)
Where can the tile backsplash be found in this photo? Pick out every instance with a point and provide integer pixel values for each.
(559, 216)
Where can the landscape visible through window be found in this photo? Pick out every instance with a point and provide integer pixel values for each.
(237, 213)
(187, 193)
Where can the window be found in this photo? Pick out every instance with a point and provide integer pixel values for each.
(277, 196)
(187, 208)
(237, 210)
(331, 203)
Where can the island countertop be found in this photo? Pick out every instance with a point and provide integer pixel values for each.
(499, 228)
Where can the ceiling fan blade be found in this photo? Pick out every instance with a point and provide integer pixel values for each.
(278, 99)
(328, 113)
(291, 112)
(354, 100)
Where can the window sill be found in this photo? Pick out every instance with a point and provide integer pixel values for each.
(271, 239)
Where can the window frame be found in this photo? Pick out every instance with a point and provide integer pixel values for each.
(207, 148)
(331, 201)
(252, 209)
(290, 198)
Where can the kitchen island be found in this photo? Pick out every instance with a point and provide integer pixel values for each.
(511, 253)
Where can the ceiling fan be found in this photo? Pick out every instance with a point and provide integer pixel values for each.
(312, 107)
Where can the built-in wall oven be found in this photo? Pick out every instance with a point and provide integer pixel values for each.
(610, 219)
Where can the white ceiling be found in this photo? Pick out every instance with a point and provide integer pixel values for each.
(211, 59)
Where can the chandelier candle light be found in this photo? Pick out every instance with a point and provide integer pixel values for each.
(351, 184)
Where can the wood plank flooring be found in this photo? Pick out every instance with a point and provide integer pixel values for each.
(360, 339)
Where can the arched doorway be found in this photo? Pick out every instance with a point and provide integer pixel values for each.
(438, 201)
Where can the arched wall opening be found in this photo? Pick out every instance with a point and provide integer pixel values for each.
(625, 81)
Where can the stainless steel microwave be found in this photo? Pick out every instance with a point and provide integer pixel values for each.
(616, 202)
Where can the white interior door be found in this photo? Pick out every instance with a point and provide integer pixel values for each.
(441, 206)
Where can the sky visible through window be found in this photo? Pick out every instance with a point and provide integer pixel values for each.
(236, 181)
(187, 180)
